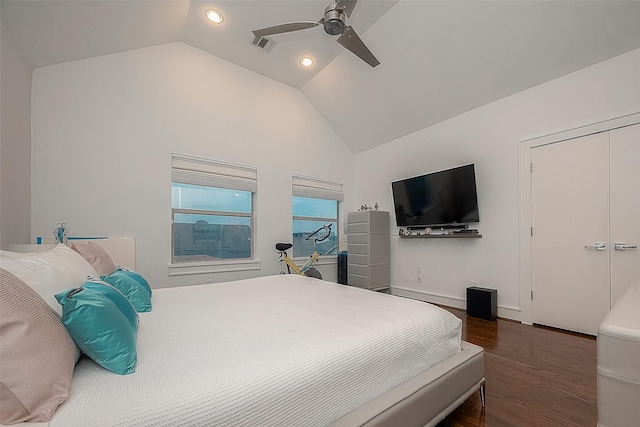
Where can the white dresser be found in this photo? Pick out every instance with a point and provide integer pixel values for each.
(369, 249)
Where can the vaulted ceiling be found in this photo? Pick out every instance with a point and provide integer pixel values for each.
(438, 59)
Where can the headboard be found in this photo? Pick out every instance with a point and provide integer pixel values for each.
(122, 250)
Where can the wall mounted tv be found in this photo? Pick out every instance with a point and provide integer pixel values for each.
(443, 199)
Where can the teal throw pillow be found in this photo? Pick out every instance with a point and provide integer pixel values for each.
(103, 324)
(137, 277)
(135, 292)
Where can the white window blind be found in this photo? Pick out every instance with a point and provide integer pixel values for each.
(316, 188)
(198, 171)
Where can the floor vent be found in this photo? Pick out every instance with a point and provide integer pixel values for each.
(263, 43)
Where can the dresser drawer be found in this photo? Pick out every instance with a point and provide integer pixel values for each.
(359, 238)
(358, 270)
(358, 249)
(359, 281)
(370, 277)
(368, 221)
(358, 258)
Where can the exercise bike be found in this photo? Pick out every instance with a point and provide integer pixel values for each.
(307, 268)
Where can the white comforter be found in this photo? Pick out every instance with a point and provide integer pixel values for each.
(273, 351)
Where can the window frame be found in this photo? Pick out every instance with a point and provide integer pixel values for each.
(318, 188)
(215, 174)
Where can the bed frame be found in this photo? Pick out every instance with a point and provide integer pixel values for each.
(122, 250)
(428, 398)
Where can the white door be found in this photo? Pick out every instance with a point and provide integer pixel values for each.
(570, 218)
(625, 209)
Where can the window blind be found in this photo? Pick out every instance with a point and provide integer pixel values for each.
(211, 173)
(316, 188)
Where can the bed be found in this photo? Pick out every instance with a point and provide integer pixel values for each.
(618, 368)
(277, 351)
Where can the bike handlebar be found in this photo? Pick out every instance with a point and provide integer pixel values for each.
(326, 226)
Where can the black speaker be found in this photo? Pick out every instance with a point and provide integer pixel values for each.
(482, 303)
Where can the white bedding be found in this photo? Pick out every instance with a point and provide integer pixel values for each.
(272, 351)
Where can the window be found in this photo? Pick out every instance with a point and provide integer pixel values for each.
(315, 203)
(211, 210)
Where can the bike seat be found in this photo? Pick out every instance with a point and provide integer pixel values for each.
(283, 246)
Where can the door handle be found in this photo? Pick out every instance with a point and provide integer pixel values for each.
(598, 246)
(621, 246)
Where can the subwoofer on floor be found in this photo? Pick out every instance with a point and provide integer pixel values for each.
(482, 303)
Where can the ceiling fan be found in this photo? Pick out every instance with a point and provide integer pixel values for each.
(334, 24)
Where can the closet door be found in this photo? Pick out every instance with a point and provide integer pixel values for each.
(625, 209)
(570, 218)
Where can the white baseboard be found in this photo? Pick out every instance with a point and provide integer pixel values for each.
(511, 313)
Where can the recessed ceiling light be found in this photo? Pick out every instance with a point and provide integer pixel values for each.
(214, 16)
(305, 61)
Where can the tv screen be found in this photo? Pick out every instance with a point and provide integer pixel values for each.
(438, 199)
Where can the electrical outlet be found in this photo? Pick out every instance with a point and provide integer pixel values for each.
(474, 283)
(419, 270)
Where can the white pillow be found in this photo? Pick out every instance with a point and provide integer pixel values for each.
(50, 272)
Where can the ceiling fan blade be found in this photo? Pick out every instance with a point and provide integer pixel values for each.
(350, 40)
(347, 5)
(285, 28)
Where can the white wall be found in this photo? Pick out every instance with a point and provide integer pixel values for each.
(15, 142)
(104, 130)
(489, 137)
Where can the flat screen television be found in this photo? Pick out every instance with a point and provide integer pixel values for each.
(446, 198)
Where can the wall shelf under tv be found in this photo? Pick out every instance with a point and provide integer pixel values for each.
(442, 236)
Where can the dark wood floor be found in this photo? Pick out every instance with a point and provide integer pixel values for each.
(536, 376)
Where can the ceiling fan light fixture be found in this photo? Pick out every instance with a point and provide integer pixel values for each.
(333, 21)
(214, 16)
(334, 27)
(306, 61)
